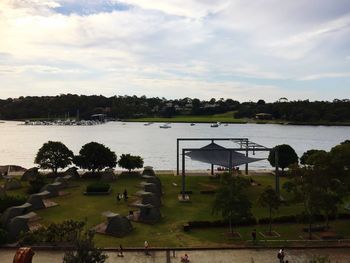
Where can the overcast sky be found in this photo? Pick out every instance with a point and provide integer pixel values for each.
(245, 50)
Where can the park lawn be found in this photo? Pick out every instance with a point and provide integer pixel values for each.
(227, 117)
(169, 232)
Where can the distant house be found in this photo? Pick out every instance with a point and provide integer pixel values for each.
(263, 116)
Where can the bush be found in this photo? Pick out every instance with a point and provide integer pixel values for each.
(3, 236)
(280, 219)
(221, 223)
(64, 232)
(8, 201)
(99, 187)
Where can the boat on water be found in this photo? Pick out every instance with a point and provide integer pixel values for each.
(165, 126)
(226, 124)
(192, 124)
(215, 125)
(148, 123)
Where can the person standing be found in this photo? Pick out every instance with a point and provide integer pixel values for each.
(125, 194)
(254, 235)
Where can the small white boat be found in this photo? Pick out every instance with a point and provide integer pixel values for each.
(215, 125)
(165, 126)
(148, 123)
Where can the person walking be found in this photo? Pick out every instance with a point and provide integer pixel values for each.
(120, 251)
(146, 248)
(281, 255)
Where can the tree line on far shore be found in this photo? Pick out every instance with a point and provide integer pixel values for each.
(92, 156)
(122, 107)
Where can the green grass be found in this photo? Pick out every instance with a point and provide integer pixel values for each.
(223, 117)
(169, 231)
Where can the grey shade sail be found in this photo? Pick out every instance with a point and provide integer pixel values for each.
(219, 155)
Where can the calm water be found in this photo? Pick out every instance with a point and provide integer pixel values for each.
(19, 143)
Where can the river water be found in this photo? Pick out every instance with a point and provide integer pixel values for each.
(20, 143)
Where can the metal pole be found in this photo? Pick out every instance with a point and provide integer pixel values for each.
(212, 169)
(277, 179)
(230, 163)
(246, 154)
(177, 157)
(183, 174)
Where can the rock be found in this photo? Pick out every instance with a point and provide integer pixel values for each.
(31, 174)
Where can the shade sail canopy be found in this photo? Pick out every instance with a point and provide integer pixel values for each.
(219, 155)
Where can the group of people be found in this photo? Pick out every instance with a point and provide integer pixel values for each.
(124, 196)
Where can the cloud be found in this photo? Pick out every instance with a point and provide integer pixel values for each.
(327, 75)
(154, 47)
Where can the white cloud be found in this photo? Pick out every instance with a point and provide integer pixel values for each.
(327, 75)
(211, 47)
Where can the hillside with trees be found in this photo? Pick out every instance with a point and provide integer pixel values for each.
(125, 107)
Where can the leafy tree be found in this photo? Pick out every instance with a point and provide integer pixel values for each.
(305, 179)
(286, 156)
(95, 157)
(54, 155)
(304, 158)
(271, 200)
(85, 251)
(230, 201)
(130, 162)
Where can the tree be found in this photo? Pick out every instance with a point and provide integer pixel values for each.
(306, 155)
(286, 156)
(271, 200)
(230, 200)
(95, 156)
(130, 162)
(85, 251)
(53, 155)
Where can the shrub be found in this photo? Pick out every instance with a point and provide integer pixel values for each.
(3, 236)
(8, 201)
(99, 187)
(221, 223)
(66, 231)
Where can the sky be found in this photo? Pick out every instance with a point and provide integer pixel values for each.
(239, 49)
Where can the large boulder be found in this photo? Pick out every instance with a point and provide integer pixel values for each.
(53, 189)
(73, 172)
(14, 211)
(12, 184)
(148, 170)
(31, 174)
(36, 200)
(118, 225)
(149, 214)
(154, 180)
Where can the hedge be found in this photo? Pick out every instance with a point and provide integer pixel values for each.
(98, 187)
(301, 218)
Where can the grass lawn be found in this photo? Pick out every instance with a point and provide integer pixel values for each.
(169, 231)
(223, 117)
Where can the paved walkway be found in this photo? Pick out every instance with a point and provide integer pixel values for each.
(211, 256)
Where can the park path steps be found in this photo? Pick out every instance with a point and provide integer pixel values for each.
(339, 255)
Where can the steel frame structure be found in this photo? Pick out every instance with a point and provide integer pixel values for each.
(244, 146)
